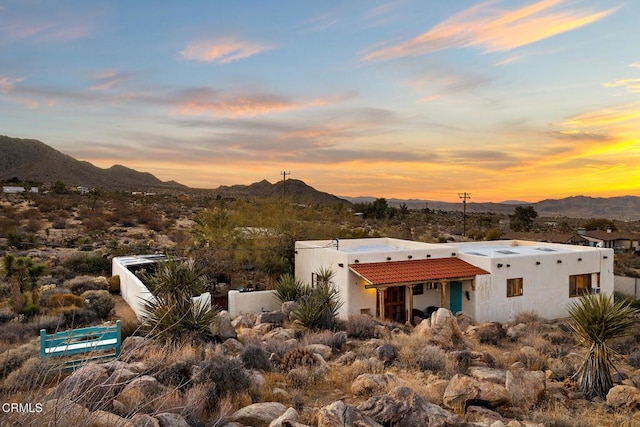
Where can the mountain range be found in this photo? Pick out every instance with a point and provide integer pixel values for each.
(32, 160)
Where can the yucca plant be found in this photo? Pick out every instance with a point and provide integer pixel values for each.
(288, 288)
(594, 320)
(318, 307)
(172, 314)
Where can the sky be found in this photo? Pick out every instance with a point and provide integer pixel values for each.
(420, 99)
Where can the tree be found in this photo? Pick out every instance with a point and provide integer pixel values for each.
(22, 274)
(603, 224)
(594, 320)
(172, 314)
(522, 218)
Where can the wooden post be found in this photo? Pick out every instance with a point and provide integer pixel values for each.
(443, 290)
(410, 304)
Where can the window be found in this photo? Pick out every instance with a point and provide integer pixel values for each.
(579, 285)
(514, 287)
(418, 289)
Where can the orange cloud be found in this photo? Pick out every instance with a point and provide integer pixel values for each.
(223, 50)
(217, 104)
(491, 29)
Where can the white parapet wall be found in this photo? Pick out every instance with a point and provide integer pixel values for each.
(133, 291)
(252, 302)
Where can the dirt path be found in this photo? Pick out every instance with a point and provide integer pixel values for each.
(122, 310)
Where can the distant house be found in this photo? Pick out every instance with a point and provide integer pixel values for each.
(564, 238)
(619, 242)
(490, 281)
(15, 190)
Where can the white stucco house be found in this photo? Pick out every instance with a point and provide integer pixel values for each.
(490, 281)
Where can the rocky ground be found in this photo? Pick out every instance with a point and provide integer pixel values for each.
(267, 371)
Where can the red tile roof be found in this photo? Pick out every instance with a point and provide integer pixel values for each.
(422, 270)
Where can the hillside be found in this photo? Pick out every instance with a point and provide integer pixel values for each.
(296, 191)
(32, 160)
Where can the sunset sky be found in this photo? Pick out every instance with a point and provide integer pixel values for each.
(505, 100)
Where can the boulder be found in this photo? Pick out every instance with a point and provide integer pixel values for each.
(463, 389)
(87, 386)
(259, 414)
(338, 414)
(367, 384)
(464, 320)
(134, 348)
(479, 414)
(525, 387)
(280, 334)
(232, 346)
(275, 317)
(223, 328)
(105, 419)
(440, 329)
(323, 350)
(142, 394)
(518, 331)
(346, 359)
(288, 307)
(434, 391)
(242, 322)
(168, 419)
(290, 416)
(263, 328)
(386, 353)
(404, 407)
(624, 397)
(142, 420)
(493, 375)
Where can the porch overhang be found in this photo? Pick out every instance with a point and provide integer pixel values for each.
(382, 275)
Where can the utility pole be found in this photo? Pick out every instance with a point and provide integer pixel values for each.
(464, 196)
(284, 179)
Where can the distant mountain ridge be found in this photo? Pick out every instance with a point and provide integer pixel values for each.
(32, 160)
(623, 208)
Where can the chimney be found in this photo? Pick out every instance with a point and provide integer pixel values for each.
(582, 231)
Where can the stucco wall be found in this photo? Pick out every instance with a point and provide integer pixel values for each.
(135, 293)
(252, 302)
(629, 286)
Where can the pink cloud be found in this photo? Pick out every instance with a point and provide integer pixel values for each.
(223, 50)
(7, 84)
(491, 29)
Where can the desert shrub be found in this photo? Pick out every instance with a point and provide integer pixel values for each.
(30, 309)
(530, 358)
(14, 332)
(64, 300)
(177, 374)
(490, 333)
(88, 264)
(114, 284)
(100, 302)
(461, 360)
(634, 358)
(528, 317)
(81, 284)
(253, 356)
(34, 374)
(6, 315)
(288, 288)
(49, 323)
(45, 296)
(335, 340)
(12, 359)
(78, 317)
(279, 347)
(431, 358)
(361, 326)
(298, 358)
(221, 377)
(129, 328)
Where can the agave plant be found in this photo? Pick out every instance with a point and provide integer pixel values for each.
(172, 314)
(594, 320)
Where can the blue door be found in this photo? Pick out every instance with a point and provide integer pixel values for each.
(455, 297)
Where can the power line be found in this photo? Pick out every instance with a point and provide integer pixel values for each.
(464, 196)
